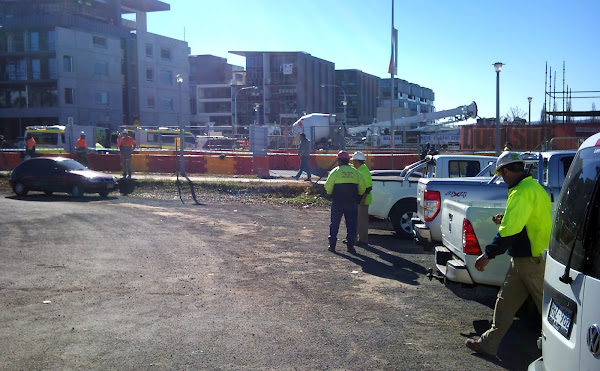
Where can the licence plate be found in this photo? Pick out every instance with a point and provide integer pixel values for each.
(560, 318)
(110, 186)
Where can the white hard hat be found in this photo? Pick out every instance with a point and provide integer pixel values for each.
(125, 132)
(507, 158)
(358, 156)
(82, 133)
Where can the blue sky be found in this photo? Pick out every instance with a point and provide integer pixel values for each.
(448, 46)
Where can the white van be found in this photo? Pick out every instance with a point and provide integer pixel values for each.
(571, 306)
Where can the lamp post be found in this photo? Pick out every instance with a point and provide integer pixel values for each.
(181, 131)
(529, 99)
(235, 127)
(498, 68)
(344, 102)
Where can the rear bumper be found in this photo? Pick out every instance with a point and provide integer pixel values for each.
(452, 268)
(537, 365)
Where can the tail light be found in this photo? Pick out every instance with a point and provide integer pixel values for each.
(431, 207)
(470, 243)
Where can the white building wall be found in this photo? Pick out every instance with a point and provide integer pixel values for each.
(87, 80)
(163, 113)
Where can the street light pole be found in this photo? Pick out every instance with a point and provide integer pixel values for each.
(498, 68)
(235, 127)
(181, 131)
(529, 99)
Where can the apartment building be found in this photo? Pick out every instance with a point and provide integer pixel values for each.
(288, 86)
(361, 90)
(409, 99)
(82, 59)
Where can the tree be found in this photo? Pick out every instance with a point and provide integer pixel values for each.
(516, 115)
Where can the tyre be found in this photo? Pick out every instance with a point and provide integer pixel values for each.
(77, 191)
(20, 189)
(103, 194)
(401, 216)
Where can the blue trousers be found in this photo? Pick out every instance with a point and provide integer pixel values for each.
(350, 212)
(304, 167)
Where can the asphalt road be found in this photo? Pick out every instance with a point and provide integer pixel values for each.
(137, 283)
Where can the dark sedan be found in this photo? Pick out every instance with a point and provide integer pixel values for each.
(47, 174)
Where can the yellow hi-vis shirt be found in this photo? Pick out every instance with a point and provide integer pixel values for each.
(364, 170)
(528, 207)
(345, 183)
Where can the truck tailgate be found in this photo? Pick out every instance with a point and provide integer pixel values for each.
(479, 214)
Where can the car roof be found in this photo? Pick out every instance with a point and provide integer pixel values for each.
(593, 141)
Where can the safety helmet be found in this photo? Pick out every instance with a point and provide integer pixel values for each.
(82, 133)
(507, 158)
(343, 155)
(358, 156)
(125, 132)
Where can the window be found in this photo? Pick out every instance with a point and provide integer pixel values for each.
(149, 74)
(101, 98)
(463, 168)
(166, 77)
(67, 63)
(99, 41)
(16, 69)
(36, 69)
(150, 102)
(149, 50)
(165, 54)
(576, 221)
(101, 68)
(69, 95)
(34, 41)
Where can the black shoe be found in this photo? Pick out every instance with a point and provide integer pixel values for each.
(331, 248)
(345, 241)
(307, 180)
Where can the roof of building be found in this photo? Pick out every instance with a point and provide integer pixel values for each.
(146, 5)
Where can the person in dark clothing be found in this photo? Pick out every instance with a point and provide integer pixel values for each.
(304, 154)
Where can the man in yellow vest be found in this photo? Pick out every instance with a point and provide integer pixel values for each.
(358, 161)
(346, 185)
(525, 232)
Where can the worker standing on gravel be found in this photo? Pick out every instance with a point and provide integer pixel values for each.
(304, 154)
(358, 161)
(346, 185)
(525, 232)
(126, 147)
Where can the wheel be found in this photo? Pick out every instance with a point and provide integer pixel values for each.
(401, 216)
(77, 191)
(48, 193)
(20, 189)
(103, 194)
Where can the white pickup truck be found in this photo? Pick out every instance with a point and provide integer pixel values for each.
(395, 194)
(549, 168)
(467, 227)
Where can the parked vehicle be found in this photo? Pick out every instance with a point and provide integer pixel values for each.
(549, 168)
(49, 175)
(158, 138)
(395, 196)
(571, 309)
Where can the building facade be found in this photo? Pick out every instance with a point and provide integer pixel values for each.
(62, 59)
(213, 84)
(361, 91)
(409, 99)
(288, 86)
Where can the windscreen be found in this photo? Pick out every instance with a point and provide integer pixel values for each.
(71, 165)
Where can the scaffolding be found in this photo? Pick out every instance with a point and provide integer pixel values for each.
(552, 113)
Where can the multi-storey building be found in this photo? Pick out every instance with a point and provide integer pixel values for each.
(409, 99)
(289, 86)
(81, 59)
(361, 90)
(213, 83)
